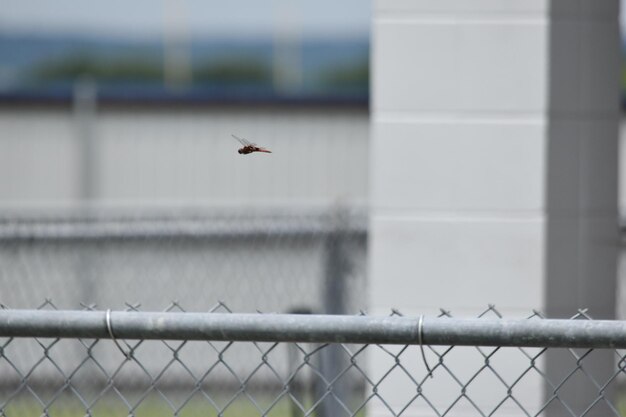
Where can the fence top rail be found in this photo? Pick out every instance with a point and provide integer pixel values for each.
(211, 225)
(314, 328)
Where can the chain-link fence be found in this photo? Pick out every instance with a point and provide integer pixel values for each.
(268, 260)
(175, 363)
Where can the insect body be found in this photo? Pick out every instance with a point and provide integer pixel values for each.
(249, 147)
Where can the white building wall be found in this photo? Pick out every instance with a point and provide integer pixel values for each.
(493, 172)
(186, 156)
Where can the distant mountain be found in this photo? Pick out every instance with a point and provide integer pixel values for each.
(40, 65)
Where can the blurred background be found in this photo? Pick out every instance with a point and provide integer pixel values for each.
(121, 186)
(119, 178)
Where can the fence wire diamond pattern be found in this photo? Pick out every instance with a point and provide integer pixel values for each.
(94, 377)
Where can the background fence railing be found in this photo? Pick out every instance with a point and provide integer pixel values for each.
(175, 363)
(268, 260)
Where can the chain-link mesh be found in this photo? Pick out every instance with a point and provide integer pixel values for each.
(77, 377)
(270, 260)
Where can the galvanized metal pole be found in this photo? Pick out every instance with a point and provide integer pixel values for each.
(85, 106)
(315, 328)
(332, 360)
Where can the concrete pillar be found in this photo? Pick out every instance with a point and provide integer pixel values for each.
(493, 173)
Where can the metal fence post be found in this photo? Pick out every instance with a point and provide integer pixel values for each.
(85, 103)
(337, 266)
(332, 359)
(301, 386)
(85, 106)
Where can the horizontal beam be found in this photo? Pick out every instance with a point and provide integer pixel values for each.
(208, 227)
(314, 328)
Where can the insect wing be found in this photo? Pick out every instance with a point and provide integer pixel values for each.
(243, 141)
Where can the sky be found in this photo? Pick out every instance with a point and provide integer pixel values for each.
(141, 18)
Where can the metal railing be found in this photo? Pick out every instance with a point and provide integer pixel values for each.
(313, 328)
(262, 259)
(179, 363)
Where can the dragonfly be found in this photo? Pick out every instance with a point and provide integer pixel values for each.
(249, 147)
